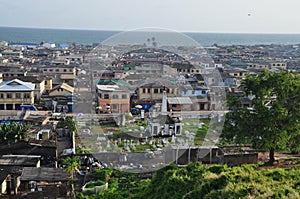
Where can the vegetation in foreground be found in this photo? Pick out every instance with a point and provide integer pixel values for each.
(272, 122)
(200, 181)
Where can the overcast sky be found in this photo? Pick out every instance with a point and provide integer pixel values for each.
(234, 16)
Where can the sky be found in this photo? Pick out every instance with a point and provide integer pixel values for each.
(224, 16)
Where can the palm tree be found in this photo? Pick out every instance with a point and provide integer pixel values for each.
(72, 165)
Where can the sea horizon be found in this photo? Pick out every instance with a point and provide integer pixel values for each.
(91, 36)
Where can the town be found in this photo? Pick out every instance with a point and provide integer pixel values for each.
(135, 108)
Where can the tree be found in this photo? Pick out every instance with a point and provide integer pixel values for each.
(273, 121)
(68, 123)
(72, 165)
(13, 132)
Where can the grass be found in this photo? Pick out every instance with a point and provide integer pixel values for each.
(200, 181)
(191, 125)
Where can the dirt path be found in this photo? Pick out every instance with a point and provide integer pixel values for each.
(283, 160)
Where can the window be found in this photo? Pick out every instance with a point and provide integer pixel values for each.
(148, 90)
(114, 106)
(1, 95)
(50, 70)
(18, 95)
(26, 95)
(115, 96)
(8, 95)
(124, 96)
(203, 92)
(144, 90)
(56, 70)
(155, 90)
(106, 96)
(65, 70)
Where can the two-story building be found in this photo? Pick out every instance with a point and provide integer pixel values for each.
(61, 73)
(42, 85)
(10, 72)
(15, 93)
(113, 98)
(199, 96)
(154, 91)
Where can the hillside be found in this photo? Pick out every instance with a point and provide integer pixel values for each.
(201, 181)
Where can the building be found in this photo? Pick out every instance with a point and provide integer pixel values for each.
(113, 98)
(42, 85)
(44, 182)
(12, 72)
(179, 104)
(11, 167)
(15, 93)
(268, 65)
(61, 90)
(154, 90)
(12, 54)
(61, 73)
(23, 45)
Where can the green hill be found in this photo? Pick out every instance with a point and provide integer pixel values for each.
(201, 181)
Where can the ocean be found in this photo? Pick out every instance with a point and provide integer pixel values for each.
(116, 37)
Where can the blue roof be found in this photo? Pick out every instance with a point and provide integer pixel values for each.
(62, 46)
(23, 43)
(28, 107)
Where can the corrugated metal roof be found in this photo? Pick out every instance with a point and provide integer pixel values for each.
(179, 100)
(16, 85)
(65, 87)
(44, 174)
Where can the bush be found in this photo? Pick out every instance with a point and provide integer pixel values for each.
(200, 181)
(103, 174)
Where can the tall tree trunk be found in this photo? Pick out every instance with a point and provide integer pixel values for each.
(73, 186)
(271, 156)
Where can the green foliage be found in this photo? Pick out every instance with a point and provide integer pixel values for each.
(141, 123)
(68, 123)
(103, 174)
(13, 132)
(92, 184)
(200, 181)
(72, 164)
(81, 150)
(273, 124)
